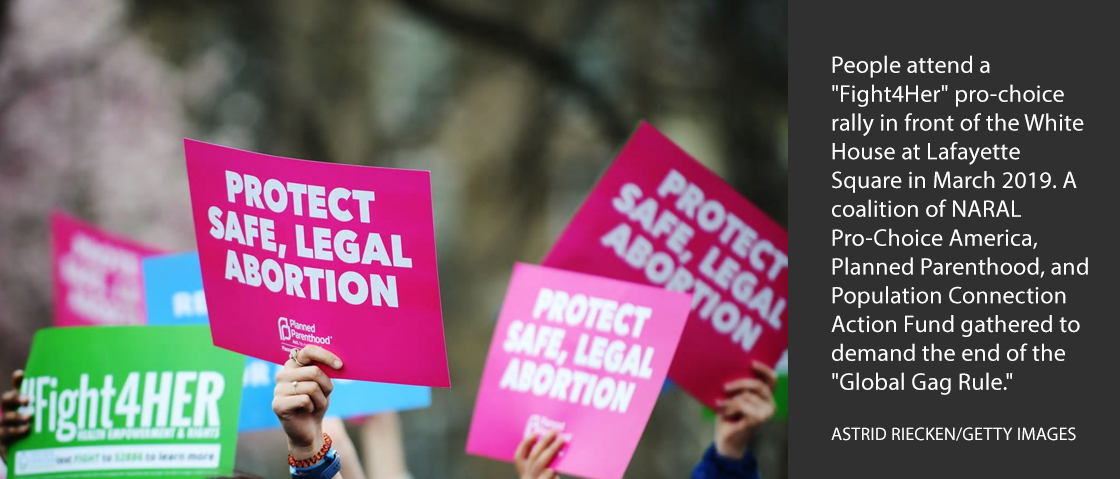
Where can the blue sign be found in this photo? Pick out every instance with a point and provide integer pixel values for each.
(174, 296)
(173, 290)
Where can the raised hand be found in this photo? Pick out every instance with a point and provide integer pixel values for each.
(535, 454)
(13, 424)
(301, 399)
(750, 403)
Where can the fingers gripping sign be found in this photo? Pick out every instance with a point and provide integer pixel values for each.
(766, 374)
(310, 354)
(535, 454)
(14, 424)
(750, 403)
(301, 397)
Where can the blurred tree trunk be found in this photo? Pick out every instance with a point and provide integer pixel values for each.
(756, 88)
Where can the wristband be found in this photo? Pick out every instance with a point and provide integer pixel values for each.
(324, 469)
(317, 458)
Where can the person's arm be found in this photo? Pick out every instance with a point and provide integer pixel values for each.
(750, 404)
(384, 451)
(535, 454)
(14, 425)
(716, 466)
(300, 401)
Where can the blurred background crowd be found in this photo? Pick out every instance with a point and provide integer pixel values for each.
(516, 106)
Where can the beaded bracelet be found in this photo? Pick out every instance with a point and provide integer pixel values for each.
(311, 461)
(325, 469)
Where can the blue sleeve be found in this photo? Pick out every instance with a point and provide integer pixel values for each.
(714, 466)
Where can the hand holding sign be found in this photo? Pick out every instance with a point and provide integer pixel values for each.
(751, 403)
(302, 397)
(14, 424)
(535, 454)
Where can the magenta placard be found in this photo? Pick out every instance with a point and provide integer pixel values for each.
(659, 217)
(299, 252)
(98, 278)
(580, 354)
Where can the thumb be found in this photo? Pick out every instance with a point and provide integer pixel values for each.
(17, 378)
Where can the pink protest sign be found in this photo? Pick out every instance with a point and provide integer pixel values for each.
(97, 276)
(659, 217)
(299, 252)
(579, 354)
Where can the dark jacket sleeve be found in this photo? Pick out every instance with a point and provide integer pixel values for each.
(714, 466)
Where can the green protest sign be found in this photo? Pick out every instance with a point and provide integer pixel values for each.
(129, 401)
